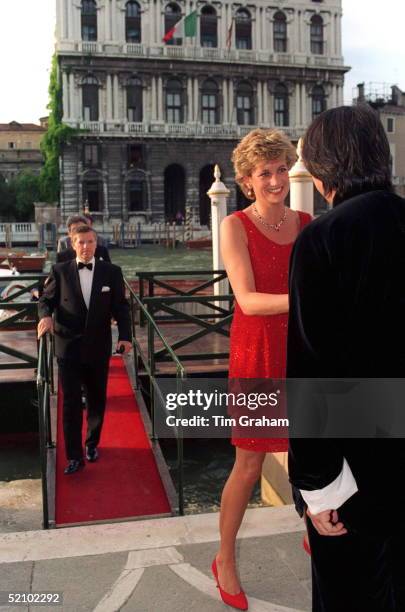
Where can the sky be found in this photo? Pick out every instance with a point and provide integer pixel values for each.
(372, 45)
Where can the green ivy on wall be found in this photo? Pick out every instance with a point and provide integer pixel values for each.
(56, 136)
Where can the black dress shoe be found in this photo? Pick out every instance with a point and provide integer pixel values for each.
(91, 453)
(73, 466)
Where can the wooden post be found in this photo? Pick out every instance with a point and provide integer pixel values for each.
(301, 185)
(218, 195)
(174, 235)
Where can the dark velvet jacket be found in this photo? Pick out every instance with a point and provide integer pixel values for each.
(83, 334)
(347, 320)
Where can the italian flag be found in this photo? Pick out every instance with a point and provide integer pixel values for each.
(185, 28)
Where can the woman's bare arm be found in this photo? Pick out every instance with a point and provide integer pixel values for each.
(237, 263)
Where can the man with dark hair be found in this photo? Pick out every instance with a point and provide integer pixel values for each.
(346, 321)
(65, 252)
(84, 294)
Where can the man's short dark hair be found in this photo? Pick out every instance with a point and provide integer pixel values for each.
(73, 219)
(347, 149)
(88, 217)
(83, 229)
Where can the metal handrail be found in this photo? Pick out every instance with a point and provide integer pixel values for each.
(150, 368)
(44, 388)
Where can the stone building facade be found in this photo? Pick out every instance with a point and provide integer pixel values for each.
(389, 102)
(20, 148)
(155, 117)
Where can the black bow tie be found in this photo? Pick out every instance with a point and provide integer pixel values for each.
(82, 265)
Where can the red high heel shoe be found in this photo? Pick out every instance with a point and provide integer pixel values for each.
(238, 601)
(306, 546)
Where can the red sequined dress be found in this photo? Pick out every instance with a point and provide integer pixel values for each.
(258, 343)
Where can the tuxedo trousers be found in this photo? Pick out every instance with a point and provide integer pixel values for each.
(93, 377)
(358, 572)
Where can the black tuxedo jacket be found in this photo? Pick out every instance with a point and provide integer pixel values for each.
(347, 320)
(68, 254)
(82, 334)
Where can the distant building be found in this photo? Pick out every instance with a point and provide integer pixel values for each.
(158, 115)
(390, 104)
(20, 148)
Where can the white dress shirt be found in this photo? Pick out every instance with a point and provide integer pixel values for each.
(334, 494)
(86, 280)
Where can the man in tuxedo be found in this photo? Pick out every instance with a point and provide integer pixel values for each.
(65, 252)
(84, 294)
(346, 321)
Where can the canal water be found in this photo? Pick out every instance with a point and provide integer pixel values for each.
(207, 463)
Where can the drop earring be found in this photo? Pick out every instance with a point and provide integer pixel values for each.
(250, 192)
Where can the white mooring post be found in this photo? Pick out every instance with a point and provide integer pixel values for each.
(301, 185)
(218, 195)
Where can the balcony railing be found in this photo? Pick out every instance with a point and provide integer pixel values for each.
(259, 56)
(175, 130)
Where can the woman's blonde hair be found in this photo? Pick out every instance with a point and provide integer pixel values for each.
(257, 147)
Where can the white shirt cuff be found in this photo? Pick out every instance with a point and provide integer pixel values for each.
(334, 494)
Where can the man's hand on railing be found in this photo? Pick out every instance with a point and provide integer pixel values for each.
(45, 325)
(123, 347)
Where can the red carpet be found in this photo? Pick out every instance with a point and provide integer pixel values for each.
(125, 481)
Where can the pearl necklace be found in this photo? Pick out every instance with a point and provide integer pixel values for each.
(273, 226)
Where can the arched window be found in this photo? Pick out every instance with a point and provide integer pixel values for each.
(209, 102)
(205, 181)
(208, 27)
(174, 101)
(134, 100)
(281, 106)
(317, 35)
(136, 194)
(280, 32)
(172, 16)
(243, 29)
(244, 104)
(93, 191)
(133, 22)
(89, 20)
(175, 191)
(318, 100)
(90, 98)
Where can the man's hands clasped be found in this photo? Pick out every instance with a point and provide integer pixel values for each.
(327, 523)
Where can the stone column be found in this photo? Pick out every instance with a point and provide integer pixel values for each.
(189, 100)
(258, 43)
(301, 186)
(196, 101)
(114, 33)
(65, 96)
(225, 101)
(145, 99)
(71, 28)
(218, 195)
(304, 112)
(101, 101)
(259, 103)
(223, 30)
(297, 105)
(109, 98)
(266, 118)
(232, 116)
(60, 19)
(107, 18)
(116, 97)
(154, 98)
(158, 23)
(160, 98)
(339, 34)
(265, 30)
(74, 111)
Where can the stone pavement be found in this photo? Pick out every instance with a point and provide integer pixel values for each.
(158, 565)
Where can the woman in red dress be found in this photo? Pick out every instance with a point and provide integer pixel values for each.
(256, 244)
